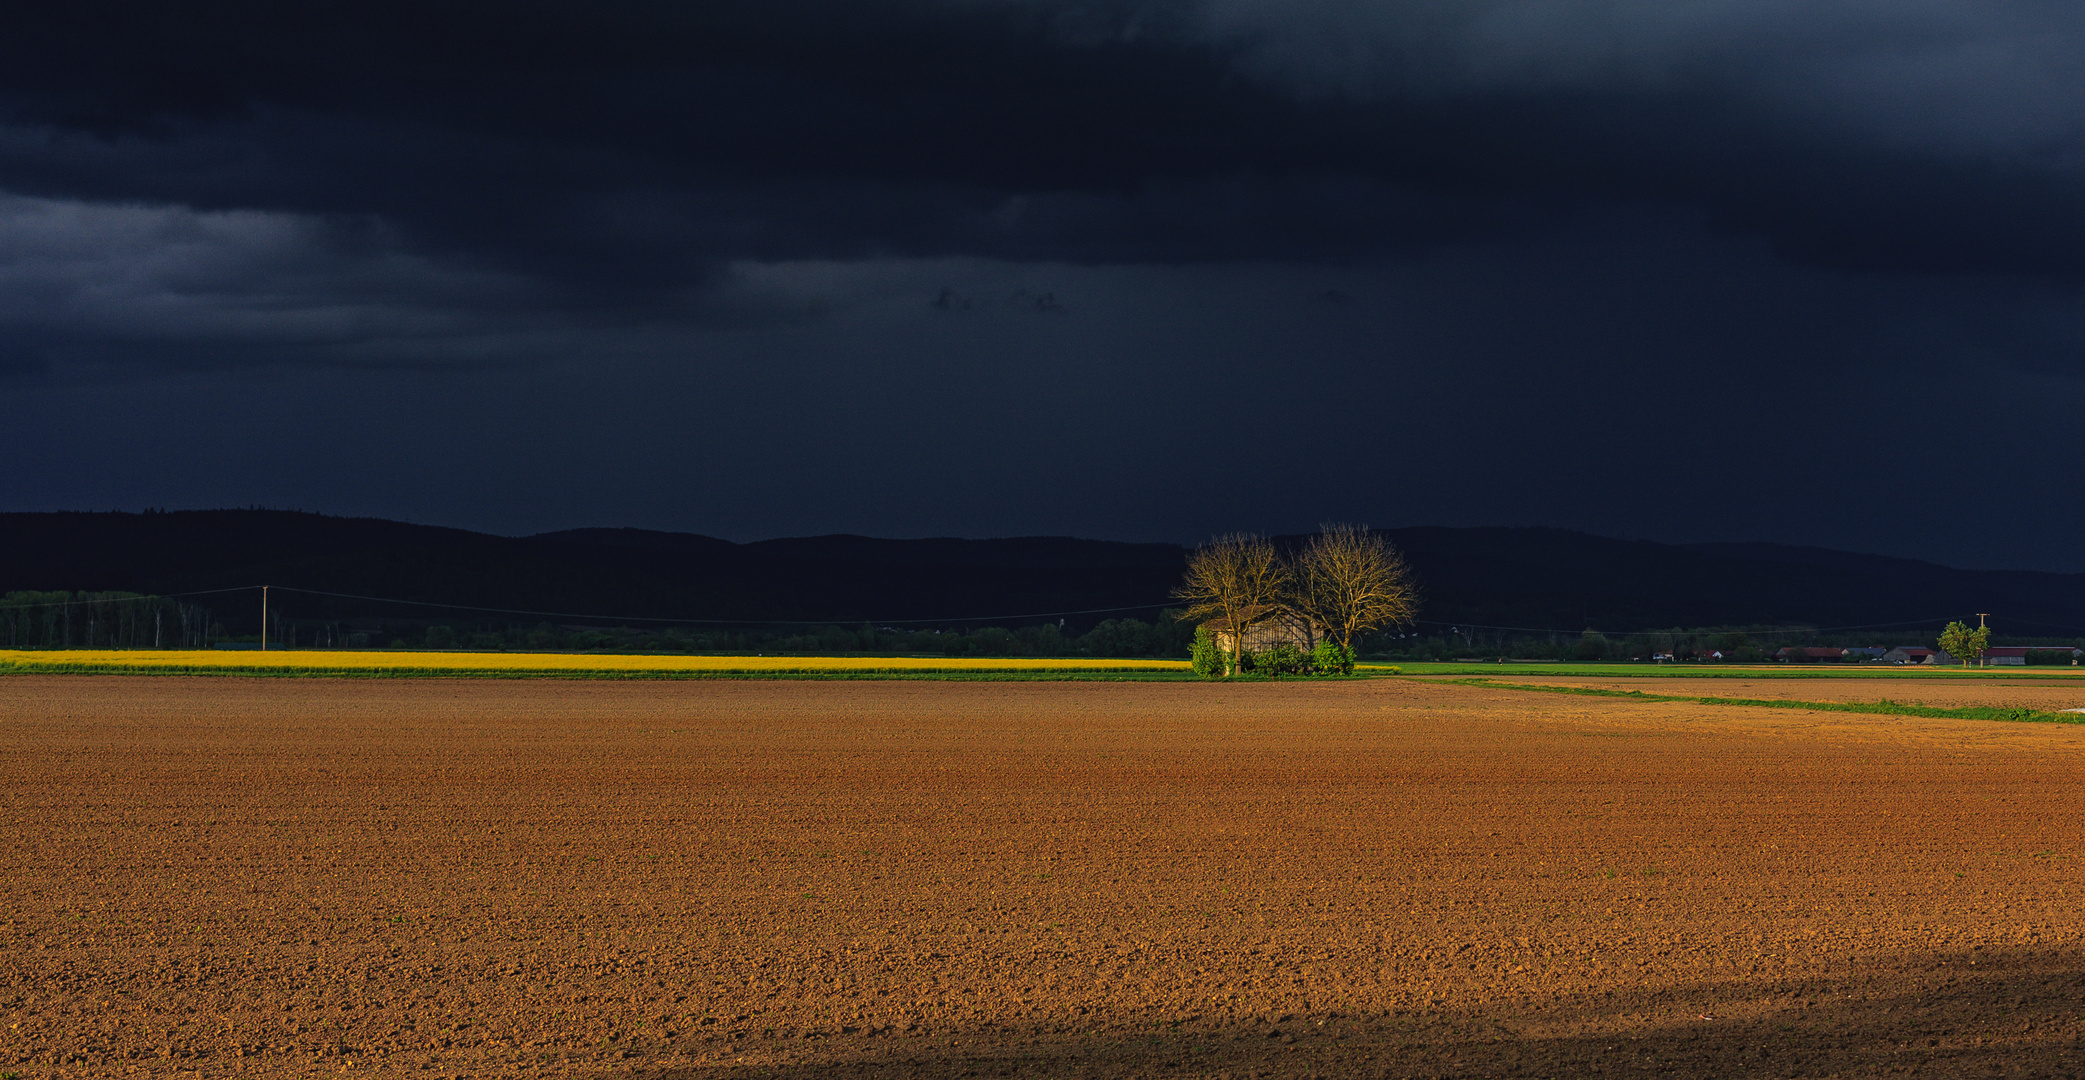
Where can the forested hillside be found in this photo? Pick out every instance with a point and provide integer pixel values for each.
(1480, 585)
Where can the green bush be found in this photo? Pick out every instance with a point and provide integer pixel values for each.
(1280, 660)
(1331, 658)
(1204, 657)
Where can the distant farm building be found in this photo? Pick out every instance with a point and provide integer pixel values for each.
(1265, 627)
(1911, 654)
(2033, 654)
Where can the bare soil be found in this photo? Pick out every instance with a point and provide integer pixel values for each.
(260, 877)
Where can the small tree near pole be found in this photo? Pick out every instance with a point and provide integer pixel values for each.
(1964, 644)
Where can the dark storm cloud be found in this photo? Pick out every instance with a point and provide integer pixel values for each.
(631, 143)
(91, 286)
(1686, 269)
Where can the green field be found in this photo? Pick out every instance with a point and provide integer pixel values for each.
(1552, 669)
(385, 664)
(390, 664)
(1883, 707)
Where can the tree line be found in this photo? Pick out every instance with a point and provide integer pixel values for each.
(1111, 638)
(103, 620)
(1709, 644)
(1340, 585)
(125, 620)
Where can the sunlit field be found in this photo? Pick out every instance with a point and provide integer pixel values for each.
(569, 665)
(1725, 671)
(890, 879)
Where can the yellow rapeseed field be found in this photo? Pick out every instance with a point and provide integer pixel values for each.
(308, 662)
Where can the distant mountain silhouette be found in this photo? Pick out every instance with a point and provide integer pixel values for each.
(1554, 578)
(1534, 578)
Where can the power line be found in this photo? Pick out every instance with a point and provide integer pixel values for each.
(941, 620)
(590, 617)
(1669, 629)
(718, 622)
(2049, 625)
(125, 599)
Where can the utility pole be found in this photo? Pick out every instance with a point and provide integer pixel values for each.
(264, 618)
(1980, 617)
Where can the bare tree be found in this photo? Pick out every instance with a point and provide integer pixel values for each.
(1237, 581)
(1348, 581)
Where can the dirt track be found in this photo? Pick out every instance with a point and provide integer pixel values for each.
(279, 877)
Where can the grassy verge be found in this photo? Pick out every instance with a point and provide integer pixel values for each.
(1722, 671)
(581, 673)
(1884, 707)
(572, 666)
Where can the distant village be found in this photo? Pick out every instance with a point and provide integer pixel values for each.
(1998, 656)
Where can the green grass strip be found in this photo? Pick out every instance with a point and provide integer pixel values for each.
(1885, 707)
(1066, 674)
(1918, 672)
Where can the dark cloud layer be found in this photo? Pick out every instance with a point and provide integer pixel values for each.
(814, 128)
(1686, 269)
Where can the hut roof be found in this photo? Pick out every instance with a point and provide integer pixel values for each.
(1250, 616)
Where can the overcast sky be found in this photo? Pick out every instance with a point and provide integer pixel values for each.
(1806, 272)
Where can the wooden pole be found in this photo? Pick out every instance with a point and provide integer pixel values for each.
(264, 618)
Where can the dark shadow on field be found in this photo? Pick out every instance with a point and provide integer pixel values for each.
(2020, 1015)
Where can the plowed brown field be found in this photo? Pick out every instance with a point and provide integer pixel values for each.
(261, 877)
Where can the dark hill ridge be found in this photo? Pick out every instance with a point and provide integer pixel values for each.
(1512, 577)
(610, 572)
(1553, 578)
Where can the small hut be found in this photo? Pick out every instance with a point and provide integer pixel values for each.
(1265, 627)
